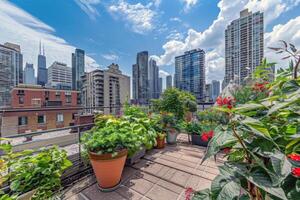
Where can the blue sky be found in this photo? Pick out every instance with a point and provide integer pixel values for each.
(115, 30)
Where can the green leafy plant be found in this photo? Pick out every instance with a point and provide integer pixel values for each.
(41, 171)
(262, 138)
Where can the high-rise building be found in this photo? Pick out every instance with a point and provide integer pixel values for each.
(29, 77)
(153, 79)
(107, 90)
(190, 73)
(160, 85)
(244, 46)
(215, 89)
(208, 92)
(169, 81)
(11, 71)
(140, 78)
(60, 76)
(78, 68)
(42, 69)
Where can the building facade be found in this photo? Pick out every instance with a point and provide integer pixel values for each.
(29, 77)
(244, 46)
(190, 73)
(140, 78)
(215, 89)
(78, 68)
(59, 76)
(42, 76)
(153, 79)
(208, 92)
(11, 71)
(169, 81)
(107, 90)
(49, 109)
(160, 85)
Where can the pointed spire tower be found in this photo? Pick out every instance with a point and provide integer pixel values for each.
(43, 50)
(40, 51)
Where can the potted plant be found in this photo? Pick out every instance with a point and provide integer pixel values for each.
(160, 140)
(200, 134)
(190, 107)
(107, 148)
(34, 176)
(170, 126)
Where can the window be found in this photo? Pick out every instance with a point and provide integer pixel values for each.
(57, 96)
(22, 121)
(41, 119)
(21, 100)
(59, 117)
(68, 96)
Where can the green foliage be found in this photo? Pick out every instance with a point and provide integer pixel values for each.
(40, 172)
(176, 102)
(128, 132)
(260, 133)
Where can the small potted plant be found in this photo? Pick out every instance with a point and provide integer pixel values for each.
(160, 140)
(200, 134)
(107, 148)
(170, 127)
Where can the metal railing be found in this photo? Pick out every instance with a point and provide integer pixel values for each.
(67, 138)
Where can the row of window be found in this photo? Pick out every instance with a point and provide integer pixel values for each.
(41, 119)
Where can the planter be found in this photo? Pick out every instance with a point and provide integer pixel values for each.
(108, 169)
(171, 136)
(27, 195)
(196, 140)
(160, 142)
(136, 157)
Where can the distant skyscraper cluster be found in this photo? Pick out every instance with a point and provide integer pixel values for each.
(190, 73)
(244, 46)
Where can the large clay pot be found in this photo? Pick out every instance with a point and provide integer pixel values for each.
(108, 169)
(160, 142)
(171, 136)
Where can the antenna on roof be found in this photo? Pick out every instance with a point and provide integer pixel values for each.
(43, 50)
(40, 48)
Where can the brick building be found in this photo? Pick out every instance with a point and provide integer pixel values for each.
(35, 108)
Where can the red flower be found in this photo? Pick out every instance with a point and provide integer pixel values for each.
(296, 172)
(226, 150)
(294, 157)
(219, 101)
(188, 193)
(207, 135)
(225, 101)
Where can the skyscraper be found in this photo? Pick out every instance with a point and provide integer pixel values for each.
(169, 81)
(208, 92)
(140, 78)
(42, 69)
(11, 71)
(78, 68)
(60, 76)
(153, 79)
(160, 85)
(190, 72)
(215, 89)
(29, 77)
(244, 46)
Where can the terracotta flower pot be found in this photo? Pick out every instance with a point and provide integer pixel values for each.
(160, 142)
(188, 116)
(108, 169)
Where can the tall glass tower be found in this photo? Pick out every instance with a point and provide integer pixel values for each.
(190, 73)
(42, 75)
(78, 68)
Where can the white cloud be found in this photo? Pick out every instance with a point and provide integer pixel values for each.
(175, 19)
(138, 16)
(189, 4)
(289, 32)
(175, 35)
(88, 6)
(163, 73)
(18, 26)
(110, 56)
(156, 2)
(212, 39)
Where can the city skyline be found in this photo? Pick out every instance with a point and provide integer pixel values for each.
(207, 35)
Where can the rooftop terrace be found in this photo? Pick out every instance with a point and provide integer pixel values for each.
(160, 175)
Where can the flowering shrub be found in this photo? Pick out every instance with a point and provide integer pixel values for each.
(262, 143)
